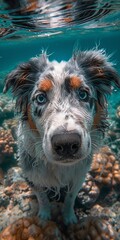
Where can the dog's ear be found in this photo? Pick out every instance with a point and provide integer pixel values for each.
(99, 74)
(99, 71)
(23, 78)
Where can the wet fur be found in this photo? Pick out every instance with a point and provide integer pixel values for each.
(63, 112)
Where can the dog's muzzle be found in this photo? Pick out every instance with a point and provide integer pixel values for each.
(66, 145)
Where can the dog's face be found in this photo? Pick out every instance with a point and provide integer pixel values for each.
(63, 109)
(64, 102)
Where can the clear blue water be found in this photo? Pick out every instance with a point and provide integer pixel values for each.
(59, 47)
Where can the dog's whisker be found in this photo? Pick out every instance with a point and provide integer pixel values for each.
(95, 147)
(114, 141)
(28, 131)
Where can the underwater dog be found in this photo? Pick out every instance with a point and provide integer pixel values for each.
(63, 117)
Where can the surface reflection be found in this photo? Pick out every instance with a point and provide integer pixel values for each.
(43, 15)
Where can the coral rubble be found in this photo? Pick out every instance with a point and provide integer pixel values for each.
(17, 201)
(8, 127)
(31, 229)
(105, 168)
(6, 108)
(7, 145)
(113, 134)
(103, 177)
(93, 229)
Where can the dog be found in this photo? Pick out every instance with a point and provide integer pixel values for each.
(63, 117)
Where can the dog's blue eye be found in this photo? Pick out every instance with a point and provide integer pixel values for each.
(41, 98)
(83, 95)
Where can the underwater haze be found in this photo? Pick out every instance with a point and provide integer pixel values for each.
(60, 28)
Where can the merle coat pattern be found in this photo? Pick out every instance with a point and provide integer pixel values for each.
(63, 116)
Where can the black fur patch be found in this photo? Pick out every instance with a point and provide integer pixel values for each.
(67, 84)
(31, 184)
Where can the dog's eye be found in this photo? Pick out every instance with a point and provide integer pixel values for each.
(41, 98)
(83, 95)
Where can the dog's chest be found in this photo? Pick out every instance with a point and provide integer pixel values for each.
(50, 175)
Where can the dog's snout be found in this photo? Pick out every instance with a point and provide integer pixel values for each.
(66, 144)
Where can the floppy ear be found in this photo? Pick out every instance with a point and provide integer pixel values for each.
(99, 71)
(101, 75)
(22, 80)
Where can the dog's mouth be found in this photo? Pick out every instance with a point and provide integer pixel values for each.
(66, 161)
(70, 160)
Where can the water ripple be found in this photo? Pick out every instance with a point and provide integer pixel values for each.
(27, 18)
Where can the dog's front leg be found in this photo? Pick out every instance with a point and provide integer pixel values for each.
(69, 216)
(44, 205)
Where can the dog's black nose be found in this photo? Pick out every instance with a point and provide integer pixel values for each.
(66, 144)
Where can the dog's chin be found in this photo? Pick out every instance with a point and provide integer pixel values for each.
(67, 161)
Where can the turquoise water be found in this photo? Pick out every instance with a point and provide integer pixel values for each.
(60, 47)
(20, 42)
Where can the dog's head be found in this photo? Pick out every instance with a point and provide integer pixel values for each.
(64, 102)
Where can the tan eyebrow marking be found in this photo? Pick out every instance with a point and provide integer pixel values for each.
(75, 82)
(45, 85)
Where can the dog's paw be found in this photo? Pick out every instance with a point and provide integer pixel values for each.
(44, 215)
(69, 217)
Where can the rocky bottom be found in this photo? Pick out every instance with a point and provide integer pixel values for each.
(97, 206)
(89, 228)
